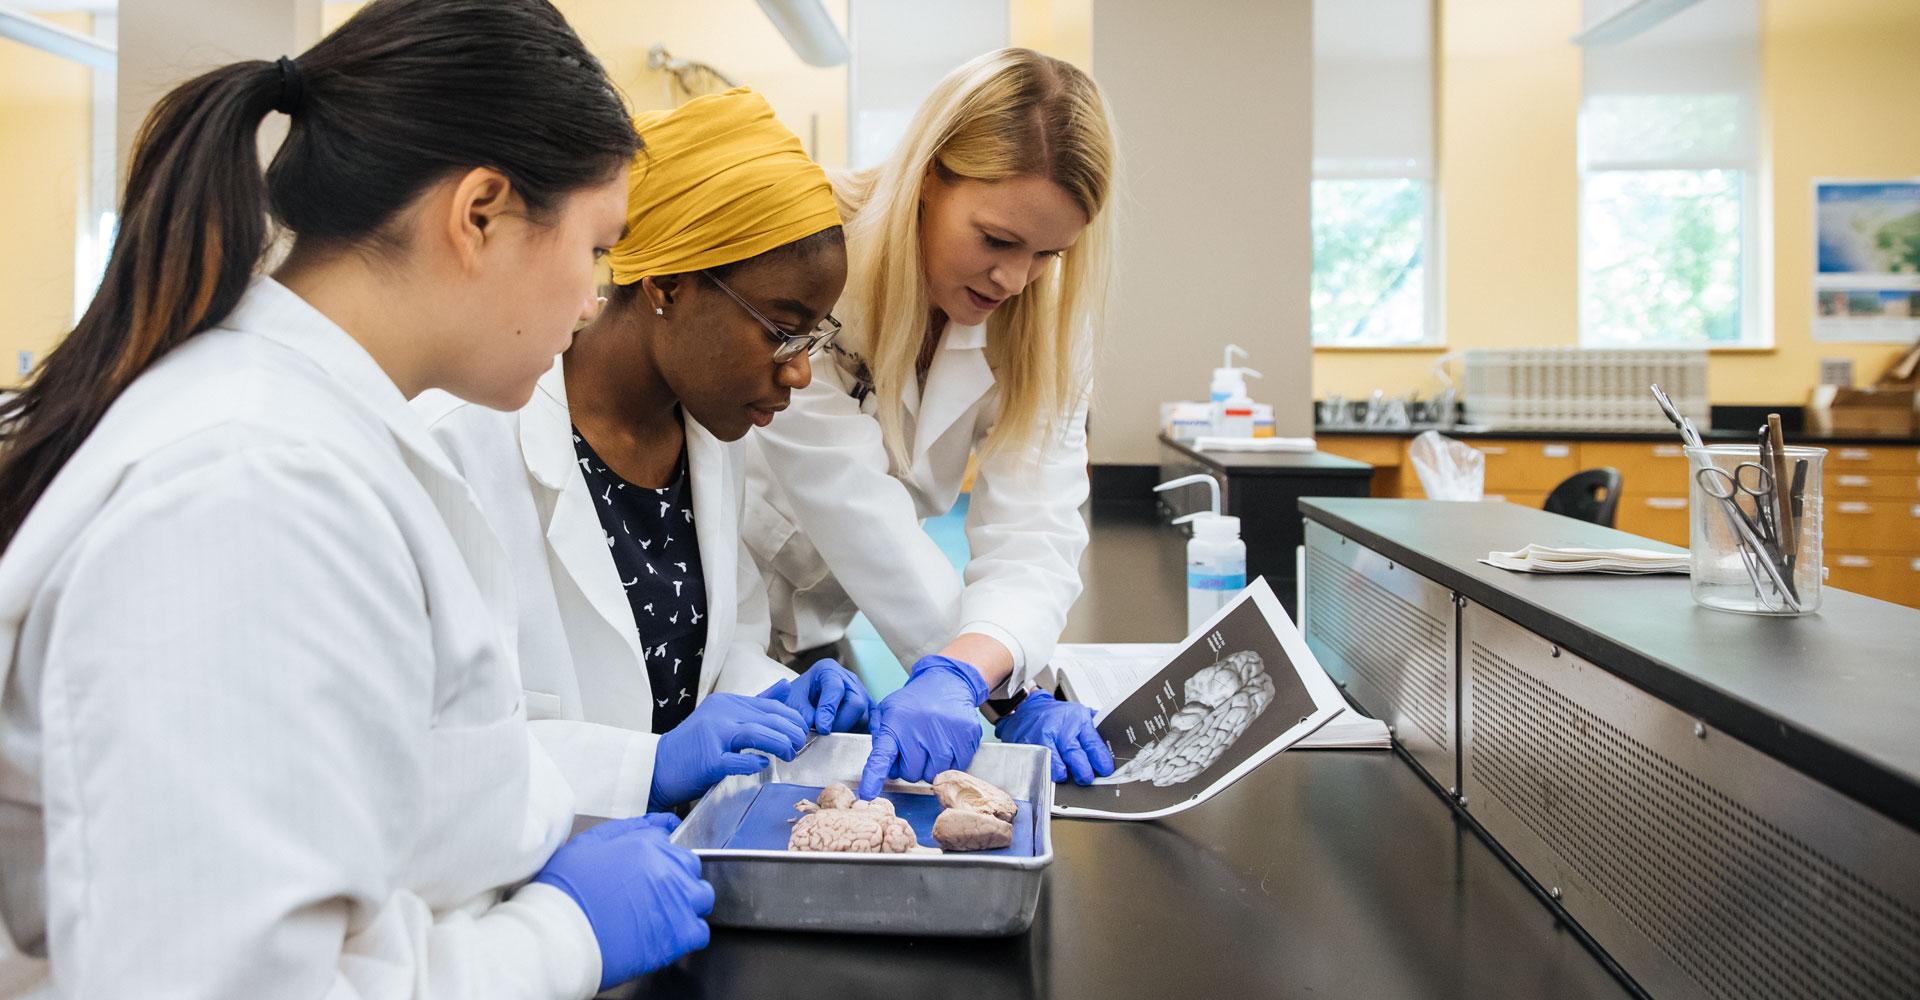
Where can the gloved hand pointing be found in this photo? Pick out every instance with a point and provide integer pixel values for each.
(931, 724)
(1064, 727)
(642, 895)
(828, 695)
(694, 755)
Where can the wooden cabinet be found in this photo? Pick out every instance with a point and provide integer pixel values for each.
(1653, 486)
(1845, 458)
(1386, 453)
(1645, 469)
(1516, 466)
(1871, 526)
(1889, 576)
(1870, 510)
(1659, 517)
(1872, 486)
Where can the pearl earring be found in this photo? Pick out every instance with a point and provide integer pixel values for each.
(657, 311)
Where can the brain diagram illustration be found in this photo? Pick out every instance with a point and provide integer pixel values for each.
(1221, 701)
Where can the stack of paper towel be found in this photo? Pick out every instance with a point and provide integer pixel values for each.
(1548, 559)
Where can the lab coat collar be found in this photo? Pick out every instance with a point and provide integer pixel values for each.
(716, 526)
(574, 534)
(577, 539)
(964, 338)
(546, 430)
(272, 310)
(957, 379)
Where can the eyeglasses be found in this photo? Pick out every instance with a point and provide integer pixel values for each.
(791, 345)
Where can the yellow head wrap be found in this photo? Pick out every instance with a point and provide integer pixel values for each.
(720, 180)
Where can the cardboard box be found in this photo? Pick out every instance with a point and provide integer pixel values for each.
(1879, 410)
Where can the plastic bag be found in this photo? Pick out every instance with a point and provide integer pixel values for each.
(1448, 469)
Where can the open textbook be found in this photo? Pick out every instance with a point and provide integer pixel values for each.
(1199, 715)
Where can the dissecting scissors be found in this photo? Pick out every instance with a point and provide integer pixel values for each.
(1756, 534)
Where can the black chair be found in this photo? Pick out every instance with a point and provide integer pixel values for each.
(1592, 496)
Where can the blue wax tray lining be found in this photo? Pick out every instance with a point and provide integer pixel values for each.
(765, 826)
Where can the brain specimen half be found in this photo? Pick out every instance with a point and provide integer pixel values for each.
(840, 823)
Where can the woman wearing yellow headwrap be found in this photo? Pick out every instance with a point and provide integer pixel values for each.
(643, 626)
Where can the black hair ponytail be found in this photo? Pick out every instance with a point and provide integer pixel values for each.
(401, 96)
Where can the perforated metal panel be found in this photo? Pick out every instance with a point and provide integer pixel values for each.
(1705, 867)
(1387, 634)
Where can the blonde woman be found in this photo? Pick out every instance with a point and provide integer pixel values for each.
(978, 259)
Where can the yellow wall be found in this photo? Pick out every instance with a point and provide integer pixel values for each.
(1838, 78)
(735, 37)
(1060, 28)
(45, 107)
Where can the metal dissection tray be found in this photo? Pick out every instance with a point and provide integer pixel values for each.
(966, 895)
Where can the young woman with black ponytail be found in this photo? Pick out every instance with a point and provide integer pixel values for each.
(260, 731)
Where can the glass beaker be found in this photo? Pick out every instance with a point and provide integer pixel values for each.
(1749, 553)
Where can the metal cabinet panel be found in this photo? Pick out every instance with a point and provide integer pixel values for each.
(1705, 867)
(1386, 634)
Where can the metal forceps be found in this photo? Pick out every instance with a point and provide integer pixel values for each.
(1688, 433)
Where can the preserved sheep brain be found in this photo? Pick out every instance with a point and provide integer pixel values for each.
(978, 814)
(967, 830)
(839, 823)
(960, 790)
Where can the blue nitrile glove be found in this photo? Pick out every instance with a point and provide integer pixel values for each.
(931, 724)
(694, 755)
(643, 896)
(828, 695)
(1064, 727)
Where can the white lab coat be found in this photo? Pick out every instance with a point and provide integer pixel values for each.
(262, 735)
(582, 667)
(837, 528)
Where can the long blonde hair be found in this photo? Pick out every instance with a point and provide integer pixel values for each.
(1011, 113)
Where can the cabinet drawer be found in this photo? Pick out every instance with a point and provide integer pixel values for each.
(1658, 517)
(1888, 576)
(1855, 458)
(1872, 486)
(1871, 526)
(1526, 466)
(1645, 469)
(1379, 451)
